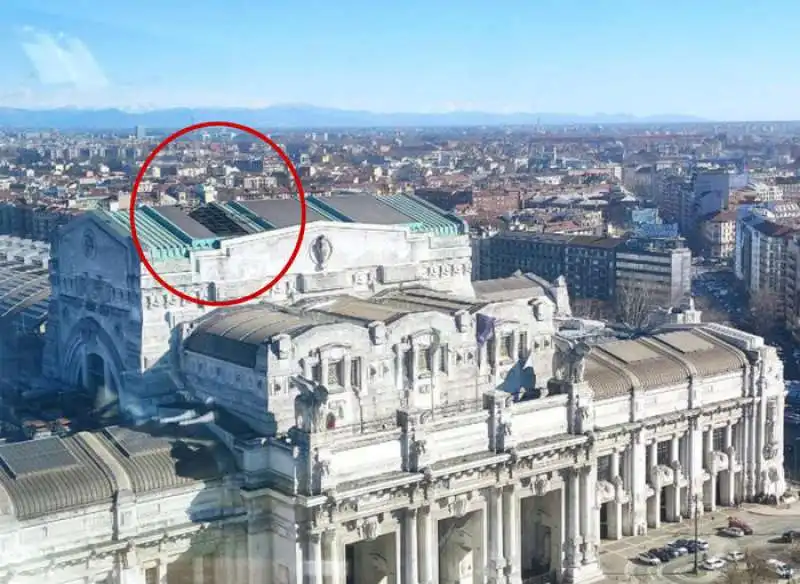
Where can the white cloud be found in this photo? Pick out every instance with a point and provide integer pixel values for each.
(62, 60)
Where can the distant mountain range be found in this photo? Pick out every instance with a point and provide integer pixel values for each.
(289, 116)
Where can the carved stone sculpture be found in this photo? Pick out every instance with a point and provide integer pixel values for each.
(569, 361)
(310, 406)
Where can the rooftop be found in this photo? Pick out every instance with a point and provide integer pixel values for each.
(24, 282)
(664, 359)
(171, 231)
(49, 475)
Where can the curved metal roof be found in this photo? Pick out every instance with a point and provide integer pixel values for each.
(24, 283)
(51, 475)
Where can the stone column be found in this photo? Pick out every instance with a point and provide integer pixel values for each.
(197, 569)
(674, 492)
(314, 562)
(695, 464)
(333, 558)
(614, 507)
(573, 531)
(729, 476)
(581, 560)
(496, 558)
(427, 548)
(399, 381)
(590, 514)
(710, 501)
(654, 505)
(747, 456)
(511, 535)
(410, 547)
(637, 483)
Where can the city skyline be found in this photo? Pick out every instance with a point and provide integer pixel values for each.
(614, 58)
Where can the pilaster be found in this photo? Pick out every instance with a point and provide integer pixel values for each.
(497, 560)
(511, 536)
(636, 481)
(410, 547)
(695, 464)
(426, 545)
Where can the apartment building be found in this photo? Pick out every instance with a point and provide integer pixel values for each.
(595, 267)
(662, 267)
(718, 234)
(762, 256)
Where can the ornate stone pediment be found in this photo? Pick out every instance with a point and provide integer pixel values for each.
(605, 492)
(369, 529)
(717, 461)
(662, 475)
(458, 506)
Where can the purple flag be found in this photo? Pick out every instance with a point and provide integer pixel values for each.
(484, 329)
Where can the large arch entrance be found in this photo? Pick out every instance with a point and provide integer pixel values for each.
(100, 385)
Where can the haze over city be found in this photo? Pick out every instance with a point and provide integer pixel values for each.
(532, 318)
(722, 60)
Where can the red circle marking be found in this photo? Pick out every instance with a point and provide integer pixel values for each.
(300, 192)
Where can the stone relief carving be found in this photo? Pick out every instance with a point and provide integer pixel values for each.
(542, 485)
(369, 529)
(458, 507)
(569, 360)
(320, 250)
(89, 244)
(310, 406)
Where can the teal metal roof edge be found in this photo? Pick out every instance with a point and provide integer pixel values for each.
(326, 210)
(237, 207)
(235, 213)
(169, 248)
(192, 242)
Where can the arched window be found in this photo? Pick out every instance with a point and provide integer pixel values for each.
(330, 422)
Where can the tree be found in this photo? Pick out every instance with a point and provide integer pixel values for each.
(633, 304)
(590, 308)
(764, 318)
(752, 569)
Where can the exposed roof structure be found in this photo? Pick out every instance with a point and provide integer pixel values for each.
(170, 231)
(41, 477)
(661, 360)
(511, 288)
(236, 334)
(24, 282)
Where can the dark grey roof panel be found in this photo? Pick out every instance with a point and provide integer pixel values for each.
(366, 209)
(183, 456)
(36, 456)
(61, 488)
(189, 226)
(281, 212)
(133, 443)
(512, 288)
(235, 335)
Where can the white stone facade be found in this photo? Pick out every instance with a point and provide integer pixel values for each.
(379, 433)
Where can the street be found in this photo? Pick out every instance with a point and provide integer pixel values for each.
(723, 300)
(618, 558)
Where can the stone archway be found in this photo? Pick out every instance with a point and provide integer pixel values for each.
(92, 362)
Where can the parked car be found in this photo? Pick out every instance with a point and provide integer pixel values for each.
(697, 544)
(780, 569)
(791, 536)
(735, 556)
(648, 559)
(743, 525)
(732, 532)
(679, 547)
(713, 564)
(662, 554)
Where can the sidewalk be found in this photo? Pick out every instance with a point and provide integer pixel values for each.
(790, 509)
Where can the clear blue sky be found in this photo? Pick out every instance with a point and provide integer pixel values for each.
(721, 59)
